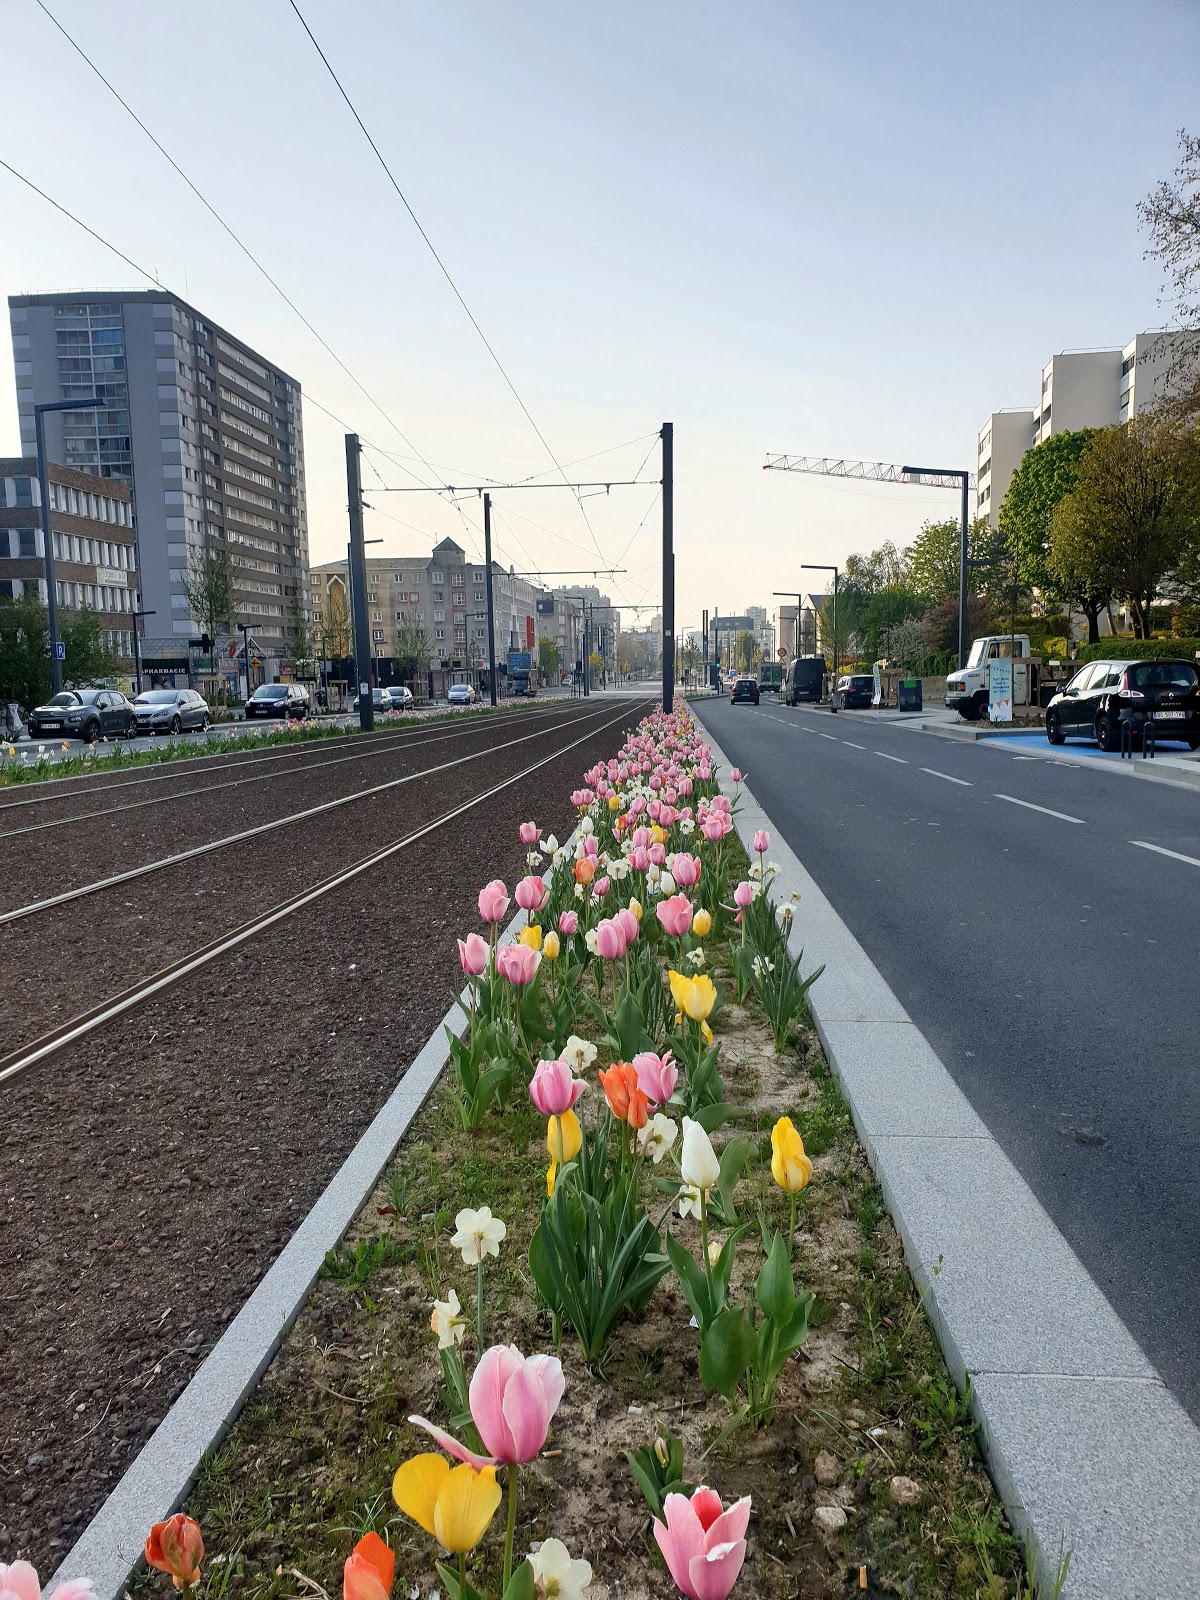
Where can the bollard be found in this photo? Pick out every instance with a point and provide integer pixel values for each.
(1126, 738)
(1148, 740)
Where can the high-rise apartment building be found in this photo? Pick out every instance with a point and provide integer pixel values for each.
(205, 431)
(561, 615)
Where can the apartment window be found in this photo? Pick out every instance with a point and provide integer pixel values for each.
(372, 599)
(318, 616)
(377, 616)
(439, 633)
(456, 578)
(1126, 365)
(437, 577)
(397, 577)
(439, 616)
(985, 468)
(439, 596)
(377, 635)
(479, 596)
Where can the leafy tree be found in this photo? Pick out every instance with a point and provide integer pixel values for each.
(413, 648)
(596, 665)
(210, 584)
(1081, 568)
(940, 626)
(88, 656)
(299, 637)
(24, 650)
(548, 659)
(334, 632)
(932, 560)
(1046, 474)
(1170, 214)
(743, 650)
(690, 657)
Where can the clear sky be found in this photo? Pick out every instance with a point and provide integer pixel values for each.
(829, 229)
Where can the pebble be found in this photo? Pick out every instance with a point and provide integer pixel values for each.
(830, 1519)
(904, 1491)
(826, 1468)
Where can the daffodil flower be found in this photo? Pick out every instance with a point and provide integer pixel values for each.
(555, 1575)
(447, 1322)
(478, 1234)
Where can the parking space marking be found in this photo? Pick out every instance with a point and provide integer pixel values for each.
(934, 773)
(1159, 850)
(854, 746)
(1045, 810)
(887, 757)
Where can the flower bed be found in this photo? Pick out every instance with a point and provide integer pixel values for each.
(630, 1249)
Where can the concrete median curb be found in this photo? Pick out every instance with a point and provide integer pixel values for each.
(1087, 1447)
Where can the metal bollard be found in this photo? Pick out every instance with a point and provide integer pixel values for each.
(1148, 740)
(1126, 738)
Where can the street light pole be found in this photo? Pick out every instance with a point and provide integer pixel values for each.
(39, 432)
(964, 480)
(817, 566)
(137, 654)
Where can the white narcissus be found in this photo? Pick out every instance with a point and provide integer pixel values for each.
(657, 1137)
(698, 1164)
(579, 1054)
(555, 1575)
(478, 1234)
(446, 1321)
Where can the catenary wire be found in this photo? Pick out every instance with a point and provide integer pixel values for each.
(79, 222)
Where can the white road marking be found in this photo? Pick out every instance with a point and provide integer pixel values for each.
(854, 746)
(887, 757)
(1192, 861)
(831, 736)
(934, 773)
(1045, 810)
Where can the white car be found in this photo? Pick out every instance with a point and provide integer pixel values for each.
(461, 694)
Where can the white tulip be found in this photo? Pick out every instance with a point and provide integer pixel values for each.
(698, 1164)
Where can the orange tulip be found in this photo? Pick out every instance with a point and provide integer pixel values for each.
(369, 1570)
(585, 870)
(176, 1548)
(627, 1102)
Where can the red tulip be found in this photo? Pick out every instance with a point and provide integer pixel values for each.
(176, 1548)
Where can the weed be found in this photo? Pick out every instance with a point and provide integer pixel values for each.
(355, 1265)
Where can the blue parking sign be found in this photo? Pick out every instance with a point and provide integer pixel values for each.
(60, 650)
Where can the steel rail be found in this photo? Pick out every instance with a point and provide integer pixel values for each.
(35, 906)
(107, 1011)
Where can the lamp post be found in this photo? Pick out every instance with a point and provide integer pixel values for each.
(137, 654)
(817, 566)
(94, 403)
(964, 478)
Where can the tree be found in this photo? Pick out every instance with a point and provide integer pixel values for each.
(88, 657)
(596, 664)
(1047, 472)
(413, 647)
(24, 650)
(548, 659)
(334, 630)
(1170, 213)
(932, 560)
(210, 585)
(299, 636)
(689, 657)
(743, 650)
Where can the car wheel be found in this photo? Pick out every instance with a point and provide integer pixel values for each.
(1193, 742)
(131, 728)
(1054, 729)
(91, 732)
(204, 723)
(176, 723)
(1106, 734)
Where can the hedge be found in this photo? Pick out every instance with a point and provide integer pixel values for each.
(1111, 649)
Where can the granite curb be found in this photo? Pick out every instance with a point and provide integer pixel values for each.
(1088, 1449)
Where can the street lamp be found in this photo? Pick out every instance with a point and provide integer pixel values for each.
(817, 566)
(92, 404)
(137, 654)
(964, 478)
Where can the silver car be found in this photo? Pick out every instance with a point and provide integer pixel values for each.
(170, 711)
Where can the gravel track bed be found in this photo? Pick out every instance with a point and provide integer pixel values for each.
(37, 865)
(150, 1176)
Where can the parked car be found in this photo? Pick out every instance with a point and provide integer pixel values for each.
(744, 688)
(170, 711)
(1104, 694)
(402, 697)
(461, 694)
(85, 714)
(804, 680)
(278, 700)
(382, 699)
(856, 691)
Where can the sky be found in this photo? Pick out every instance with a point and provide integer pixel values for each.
(846, 230)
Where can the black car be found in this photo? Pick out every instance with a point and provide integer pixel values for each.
(1106, 694)
(383, 700)
(856, 691)
(278, 700)
(170, 711)
(804, 680)
(88, 714)
(744, 689)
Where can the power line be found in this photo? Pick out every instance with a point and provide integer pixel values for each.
(79, 222)
(445, 271)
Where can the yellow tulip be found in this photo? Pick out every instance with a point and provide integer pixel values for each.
(694, 996)
(572, 1143)
(702, 923)
(635, 905)
(532, 936)
(550, 946)
(614, 802)
(454, 1504)
(659, 834)
(790, 1167)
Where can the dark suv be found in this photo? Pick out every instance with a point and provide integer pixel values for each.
(278, 700)
(744, 689)
(856, 691)
(1105, 694)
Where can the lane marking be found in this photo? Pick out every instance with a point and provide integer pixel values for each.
(1158, 849)
(887, 757)
(854, 746)
(934, 773)
(1045, 810)
(830, 736)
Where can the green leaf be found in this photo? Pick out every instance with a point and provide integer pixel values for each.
(691, 1280)
(712, 1117)
(726, 1351)
(775, 1293)
(520, 1585)
(454, 1589)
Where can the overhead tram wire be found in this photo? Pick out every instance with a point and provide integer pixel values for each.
(79, 223)
(445, 271)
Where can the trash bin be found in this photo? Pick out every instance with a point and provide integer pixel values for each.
(1046, 693)
(908, 695)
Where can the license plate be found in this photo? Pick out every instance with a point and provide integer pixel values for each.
(52, 725)
(1161, 716)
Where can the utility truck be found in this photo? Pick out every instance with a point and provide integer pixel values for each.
(967, 687)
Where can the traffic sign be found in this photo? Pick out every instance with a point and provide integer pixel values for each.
(782, 653)
(60, 650)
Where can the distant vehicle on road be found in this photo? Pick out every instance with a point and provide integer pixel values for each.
(744, 688)
(1105, 694)
(278, 700)
(402, 697)
(88, 714)
(967, 689)
(804, 680)
(382, 699)
(520, 672)
(856, 691)
(170, 711)
(461, 694)
(770, 676)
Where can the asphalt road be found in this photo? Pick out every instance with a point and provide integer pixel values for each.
(1049, 959)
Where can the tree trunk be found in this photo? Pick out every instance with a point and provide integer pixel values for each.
(1093, 621)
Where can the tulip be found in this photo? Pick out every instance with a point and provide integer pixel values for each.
(568, 924)
(695, 997)
(698, 1164)
(627, 1100)
(639, 858)
(20, 1582)
(454, 1504)
(685, 869)
(601, 887)
(550, 946)
(531, 936)
(703, 1545)
(658, 854)
(531, 893)
(790, 1167)
(675, 914)
(635, 905)
(554, 1572)
(369, 1570)
(743, 894)
(446, 1321)
(628, 922)
(493, 901)
(529, 832)
(736, 774)
(555, 1088)
(518, 963)
(585, 870)
(656, 1075)
(564, 1141)
(610, 939)
(176, 1548)
(473, 955)
(762, 841)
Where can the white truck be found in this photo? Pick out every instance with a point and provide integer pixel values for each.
(967, 687)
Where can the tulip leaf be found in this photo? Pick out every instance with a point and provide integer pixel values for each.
(734, 1157)
(457, 1590)
(726, 1351)
(692, 1281)
(775, 1293)
(712, 1117)
(520, 1585)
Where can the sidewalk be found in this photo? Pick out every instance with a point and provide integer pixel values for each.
(1087, 1447)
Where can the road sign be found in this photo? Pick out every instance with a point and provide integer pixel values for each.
(60, 650)
(782, 653)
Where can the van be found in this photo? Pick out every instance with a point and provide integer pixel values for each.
(804, 680)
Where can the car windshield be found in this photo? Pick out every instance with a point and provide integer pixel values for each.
(158, 697)
(270, 691)
(977, 649)
(66, 698)
(1163, 675)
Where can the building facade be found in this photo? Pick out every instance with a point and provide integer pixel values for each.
(561, 615)
(94, 557)
(205, 432)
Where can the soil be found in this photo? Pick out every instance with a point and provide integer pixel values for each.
(138, 1214)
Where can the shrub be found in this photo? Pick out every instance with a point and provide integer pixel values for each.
(1120, 649)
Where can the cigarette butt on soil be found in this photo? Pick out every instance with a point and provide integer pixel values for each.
(862, 1577)
(551, 1455)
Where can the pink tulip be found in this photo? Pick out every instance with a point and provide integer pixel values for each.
(675, 915)
(704, 1547)
(654, 810)
(20, 1581)
(743, 894)
(658, 855)
(473, 955)
(762, 841)
(629, 924)
(568, 924)
(513, 1400)
(685, 869)
(493, 901)
(518, 963)
(600, 888)
(685, 788)
(736, 774)
(532, 893)
(639, 858)
(610, 939)
(713, 828)
(555, 1088)
(529, 832)
(657, 1076)
(591, 845)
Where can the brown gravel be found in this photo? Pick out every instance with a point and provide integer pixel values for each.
(150, 1176)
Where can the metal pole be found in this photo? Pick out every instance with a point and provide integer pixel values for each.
(835, 632)
(962, 580)
(137, 654)
(48, 550)
(491, 619)
(358, 568)
(668, 531)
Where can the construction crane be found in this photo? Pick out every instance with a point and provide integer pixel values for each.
(886, 472)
